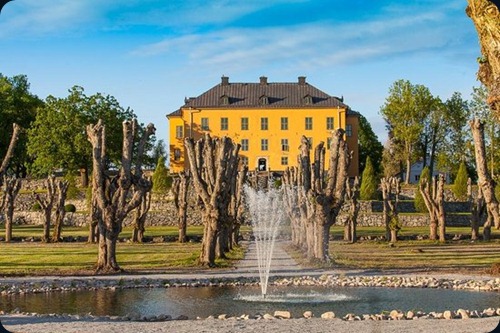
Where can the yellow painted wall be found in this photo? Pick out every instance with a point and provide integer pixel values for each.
(254, 134)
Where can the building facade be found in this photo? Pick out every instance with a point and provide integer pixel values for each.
(266, 119)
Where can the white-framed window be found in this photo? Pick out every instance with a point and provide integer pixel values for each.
(329, 123)
(284, 145)
(309, 123)
(224, 124)
(244, 144)
(284, 123)
(264, 123)
(179, 132)
(244, 124)
(264, 144)
(204, 124)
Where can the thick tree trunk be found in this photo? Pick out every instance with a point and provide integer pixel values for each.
(46, 204)
(140, 216)
(487, 228)
(213, 168)
(209, 243)
(484, 178)
(180, 188)
(116, 197)
(62, 190)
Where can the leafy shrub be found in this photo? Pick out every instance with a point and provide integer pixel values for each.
(369, 182)
(459, 187)
(161, 179)
(36, 207)
(69, 208)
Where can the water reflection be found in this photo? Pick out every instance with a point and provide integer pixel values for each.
(205, 301)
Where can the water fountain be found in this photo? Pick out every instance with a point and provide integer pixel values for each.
(266, 213)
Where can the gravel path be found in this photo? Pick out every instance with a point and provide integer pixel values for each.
(283, 265)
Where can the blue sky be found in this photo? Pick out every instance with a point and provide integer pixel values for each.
(150, 54)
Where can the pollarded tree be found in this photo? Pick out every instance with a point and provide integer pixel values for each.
(46, 203)
(214, 164)
(391, 188)
(140, 216)
(237, 207)
(62, 187)
(180, 188)
(9, 153)
(433, 195)
(11, 187)
(369, 182)
(116, 196)
(486, 17)
(460, 188)
(320, 192)
(352, 196)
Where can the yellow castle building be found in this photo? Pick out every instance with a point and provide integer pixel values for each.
(267, 119)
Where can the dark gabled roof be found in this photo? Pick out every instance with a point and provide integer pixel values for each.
(298, 94)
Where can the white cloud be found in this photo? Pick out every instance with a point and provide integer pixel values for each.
(324, 43)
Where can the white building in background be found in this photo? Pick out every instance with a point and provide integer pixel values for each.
(416, 170)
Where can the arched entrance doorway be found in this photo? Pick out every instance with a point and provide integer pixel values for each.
(262, 164)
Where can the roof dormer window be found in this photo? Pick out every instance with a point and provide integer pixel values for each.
(224, 100)
(263, 100)
(308, 100)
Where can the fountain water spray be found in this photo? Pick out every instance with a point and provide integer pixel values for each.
(266, 215)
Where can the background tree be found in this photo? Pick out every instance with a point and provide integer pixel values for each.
(140, 216)
(419, 203)
(404, 111)
(116, 196)
(68, 147)
(391, 159)
(459, 187)
(17, 105)
(369, 146)
(369, 182)
(456, 144)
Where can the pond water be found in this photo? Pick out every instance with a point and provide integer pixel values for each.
(235, 301)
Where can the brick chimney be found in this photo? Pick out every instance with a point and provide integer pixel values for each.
(224, 80)
(263, 80)
(302, 80)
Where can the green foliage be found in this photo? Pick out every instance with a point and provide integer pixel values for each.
(161, 179)
(73, 191)
(419, 200)
(58, 138)
(17, 105)
(36, 207)
(404, 111)
(69, 208)
(394, 223)
(459, 187)
(369, 146)
(369, 182)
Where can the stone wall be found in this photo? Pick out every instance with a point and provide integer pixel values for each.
(163, 211)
